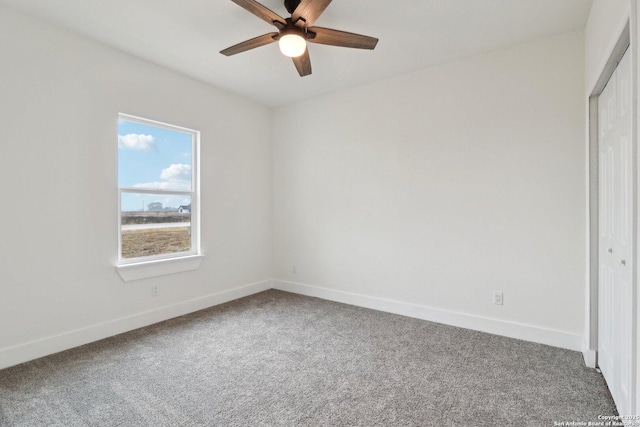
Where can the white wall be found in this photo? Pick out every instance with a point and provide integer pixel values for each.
(438, 187)
(607, 19)
(433, 189)
(59, 99)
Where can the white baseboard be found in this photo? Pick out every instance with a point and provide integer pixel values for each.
(588, 355)
(478, 323)
(25, 352)
(43, 347)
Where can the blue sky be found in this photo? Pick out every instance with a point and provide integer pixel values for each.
(153, 158)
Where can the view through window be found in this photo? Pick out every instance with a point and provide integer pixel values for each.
(157, 190)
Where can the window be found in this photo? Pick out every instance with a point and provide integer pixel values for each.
(157, 190)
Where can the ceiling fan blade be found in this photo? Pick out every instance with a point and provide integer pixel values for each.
(262, 12)
(303, 63)
(340, 38)
(309, 11)
(250, 44)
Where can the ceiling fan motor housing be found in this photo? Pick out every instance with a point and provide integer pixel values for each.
(291, 5)
(292, 29)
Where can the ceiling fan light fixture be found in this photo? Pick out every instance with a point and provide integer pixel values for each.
(292, 45)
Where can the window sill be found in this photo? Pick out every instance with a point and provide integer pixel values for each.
(144, 270)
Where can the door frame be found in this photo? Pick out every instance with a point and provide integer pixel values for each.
(625, 41)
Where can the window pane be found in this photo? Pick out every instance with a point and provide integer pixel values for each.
(153, 158)
(155, 224)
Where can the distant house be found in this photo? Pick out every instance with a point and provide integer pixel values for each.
(185, 209)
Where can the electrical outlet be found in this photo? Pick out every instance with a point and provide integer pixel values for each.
(154, 291)
(498, 298)
(293, 269)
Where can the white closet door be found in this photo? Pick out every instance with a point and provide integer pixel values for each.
(615, 224)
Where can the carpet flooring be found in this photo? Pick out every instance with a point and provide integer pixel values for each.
(280, 359)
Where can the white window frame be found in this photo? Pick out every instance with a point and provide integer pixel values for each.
(156, 265)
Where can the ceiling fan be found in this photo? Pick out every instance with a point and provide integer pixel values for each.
(294, 33)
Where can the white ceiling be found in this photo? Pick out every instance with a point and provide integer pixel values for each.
(186, 36)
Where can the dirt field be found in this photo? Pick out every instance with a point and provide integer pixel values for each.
(137, 243)
(150, 217)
